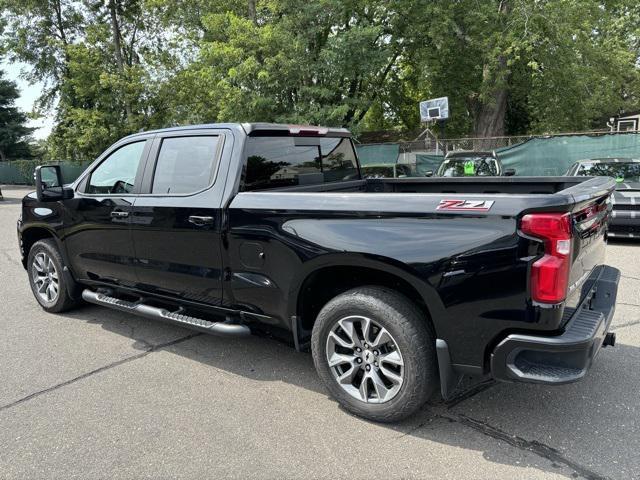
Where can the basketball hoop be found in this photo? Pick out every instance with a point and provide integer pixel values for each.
(434, 109)
(431, 111)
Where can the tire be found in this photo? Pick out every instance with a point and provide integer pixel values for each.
(413, 360)
(44, 264)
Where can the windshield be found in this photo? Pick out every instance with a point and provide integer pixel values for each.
(468, 166)
(621, 171)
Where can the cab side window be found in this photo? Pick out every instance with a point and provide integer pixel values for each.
(117, 173)
(185, 164)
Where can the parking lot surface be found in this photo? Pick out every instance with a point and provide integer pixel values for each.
(96, 393)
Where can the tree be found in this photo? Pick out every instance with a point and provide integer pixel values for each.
(531, 65)
(14, 134)
(38, 34)
(113, 67)
(89, 54)
(298, 61)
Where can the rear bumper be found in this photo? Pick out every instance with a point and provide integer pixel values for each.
(567, 357)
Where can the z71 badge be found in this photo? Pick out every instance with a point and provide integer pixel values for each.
(465, 205)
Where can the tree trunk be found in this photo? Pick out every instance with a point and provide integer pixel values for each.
(251, 10)
(57, 6)
(490, 111)
(117, 46)
(490, 114)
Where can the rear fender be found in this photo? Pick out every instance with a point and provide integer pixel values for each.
(383, 264)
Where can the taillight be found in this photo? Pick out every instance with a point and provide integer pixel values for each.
(550, 274)
(307, 131)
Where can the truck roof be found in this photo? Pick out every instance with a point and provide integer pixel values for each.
(469, 153)
(609, 160)
(260, 129)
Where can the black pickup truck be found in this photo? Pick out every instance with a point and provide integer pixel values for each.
(398, 286)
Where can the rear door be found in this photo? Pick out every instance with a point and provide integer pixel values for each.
(176, 221)
(97, 234)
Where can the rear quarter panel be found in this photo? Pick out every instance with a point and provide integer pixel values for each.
(470, 268)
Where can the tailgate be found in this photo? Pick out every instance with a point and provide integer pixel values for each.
(590, 217)
(571, 239)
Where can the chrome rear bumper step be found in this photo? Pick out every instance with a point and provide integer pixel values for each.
(164, 315)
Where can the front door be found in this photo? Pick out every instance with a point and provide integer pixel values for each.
(97, 228)
(177, 219)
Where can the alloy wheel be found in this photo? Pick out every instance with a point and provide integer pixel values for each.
(364, 359)
(45, 277)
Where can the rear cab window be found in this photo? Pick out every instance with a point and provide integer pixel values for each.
(286, 161)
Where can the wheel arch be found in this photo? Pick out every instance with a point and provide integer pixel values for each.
(320, 282)
(30, 235)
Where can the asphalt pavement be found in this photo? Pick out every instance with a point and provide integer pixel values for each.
(96, 393)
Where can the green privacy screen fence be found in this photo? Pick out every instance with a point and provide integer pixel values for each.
(379, 153)
(546, 156)
(20, 172)
(427, 163)
(554, 155)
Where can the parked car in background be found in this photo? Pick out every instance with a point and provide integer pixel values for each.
(625, 218)
(472, 164)
(382, 170)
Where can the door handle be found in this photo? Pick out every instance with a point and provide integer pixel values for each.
(200, 221)
(119, 214)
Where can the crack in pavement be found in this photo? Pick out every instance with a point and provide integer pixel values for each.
(117, 363)
(470, 392)
(542, 450)
(533, 446)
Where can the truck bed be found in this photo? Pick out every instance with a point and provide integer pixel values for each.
(485, 185)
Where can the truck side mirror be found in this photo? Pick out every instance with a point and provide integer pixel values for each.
(49, 187)
(428, 173)
(509, 172)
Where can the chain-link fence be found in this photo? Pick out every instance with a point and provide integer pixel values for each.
(434, 146)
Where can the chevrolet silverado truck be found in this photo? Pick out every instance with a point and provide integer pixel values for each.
(398, 286)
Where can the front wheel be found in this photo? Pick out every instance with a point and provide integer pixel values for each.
(48, 283)
(375, 353)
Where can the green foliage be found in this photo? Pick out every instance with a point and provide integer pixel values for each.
(325, 64)
(14, 134)
(508, 66)
(26, 169)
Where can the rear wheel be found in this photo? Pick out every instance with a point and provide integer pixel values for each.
(374, 352)
(48, 283)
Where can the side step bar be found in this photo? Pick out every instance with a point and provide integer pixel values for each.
(164, 315)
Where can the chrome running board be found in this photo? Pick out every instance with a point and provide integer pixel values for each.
(164, 315)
